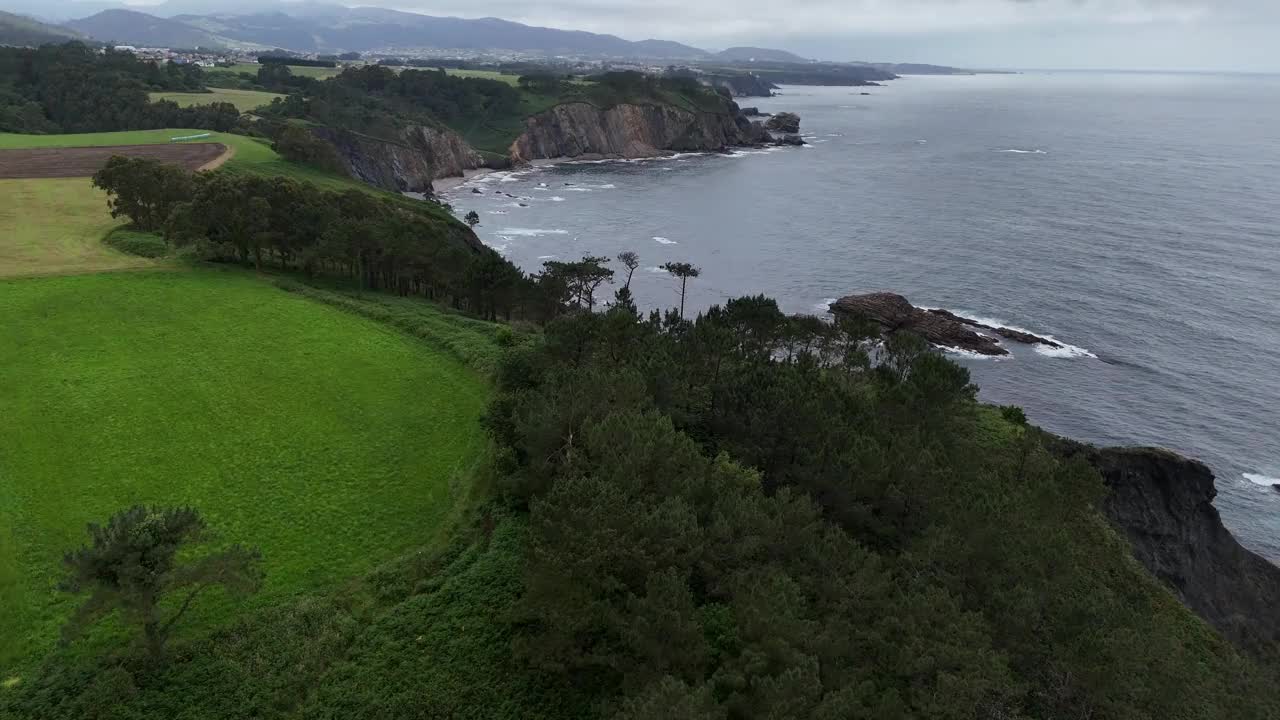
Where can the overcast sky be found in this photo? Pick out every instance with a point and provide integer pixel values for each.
(1170, 34)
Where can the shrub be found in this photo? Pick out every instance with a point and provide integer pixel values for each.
(142, 244)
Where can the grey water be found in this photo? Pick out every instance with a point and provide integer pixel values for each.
(1134, 218)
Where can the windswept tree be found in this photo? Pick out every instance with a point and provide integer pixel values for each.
(577, 281)
(472, 218)
(630, 260)
(145, 191)
(684, 271)
(132, 565)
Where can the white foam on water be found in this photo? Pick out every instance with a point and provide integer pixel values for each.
(664, 241)
(556, 198)
(1067, 350)
(497, 212)
(607, 186)
(542, 188)
(824, 306)
(657, 270)
(531, 232)
(921, 142)
(1260, 479)
(971, 355)
(1018, 151)
(577, 189)
(546, 257)
(665, 169)
(514, 204)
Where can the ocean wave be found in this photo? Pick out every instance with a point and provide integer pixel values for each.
(664, 241)
(824, 306)
(497, 212)
(656, 270)
(606, 186)
(556, 198)
(971, 355)
(1260, 479)
(577, 189)
(532, 232)
(1018, 151)
(514, 204)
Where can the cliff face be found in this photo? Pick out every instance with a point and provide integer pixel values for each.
(1163, 503)
(419, 155)
(582, 130)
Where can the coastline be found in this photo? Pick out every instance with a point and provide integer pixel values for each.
(445, 184)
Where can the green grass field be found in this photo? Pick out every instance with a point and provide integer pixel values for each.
(320, 73)
(326, 439)
(244, 100)
(48, 227)
(484, 74)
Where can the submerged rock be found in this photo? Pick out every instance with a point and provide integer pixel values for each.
(1018, 335)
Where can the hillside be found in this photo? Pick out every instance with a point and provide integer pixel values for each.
(136, 28)
(363, 29)
(21, 30)
(758, 54)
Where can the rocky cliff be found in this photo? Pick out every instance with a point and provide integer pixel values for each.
(1163, 503)
(583, 130)
(418, 155)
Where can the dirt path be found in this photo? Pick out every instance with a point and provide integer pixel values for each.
(83, 162)
(229, 151)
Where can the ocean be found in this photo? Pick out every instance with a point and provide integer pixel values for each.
(1135, 218)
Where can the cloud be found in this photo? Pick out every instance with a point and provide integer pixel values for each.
(710, 19)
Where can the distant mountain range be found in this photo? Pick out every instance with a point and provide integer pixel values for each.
(312, 26)
(135, 28)
(315, 27)
(20, 30)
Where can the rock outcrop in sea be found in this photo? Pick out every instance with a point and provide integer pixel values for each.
(939, 327)
(784, 122)
(419, 155)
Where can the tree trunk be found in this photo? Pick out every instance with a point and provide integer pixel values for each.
(683, 282)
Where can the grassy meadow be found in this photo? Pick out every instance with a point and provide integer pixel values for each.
(329, 440)
(49, 227)
(244, 100)
(319, 73)
(331, 430)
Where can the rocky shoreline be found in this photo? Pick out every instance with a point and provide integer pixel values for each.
(941, 328)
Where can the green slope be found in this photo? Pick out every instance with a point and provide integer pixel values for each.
(330, 441)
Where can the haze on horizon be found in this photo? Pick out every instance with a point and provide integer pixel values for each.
(1225, 35)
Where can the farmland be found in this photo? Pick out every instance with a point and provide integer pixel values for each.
(319, 73)
(56, 226)
(244, 100)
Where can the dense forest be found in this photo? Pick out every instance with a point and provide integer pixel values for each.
(381, 243)
(74, 88)
(743, 515)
